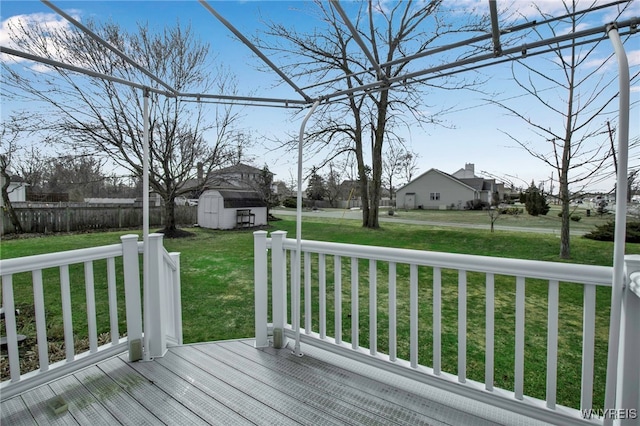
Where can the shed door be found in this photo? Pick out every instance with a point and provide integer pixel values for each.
(410, 200)
(211, 212)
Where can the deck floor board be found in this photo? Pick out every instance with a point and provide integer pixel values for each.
(232, 383)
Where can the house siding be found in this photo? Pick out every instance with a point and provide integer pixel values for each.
(450, 190)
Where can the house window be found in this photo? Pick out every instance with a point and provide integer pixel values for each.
(435, 196)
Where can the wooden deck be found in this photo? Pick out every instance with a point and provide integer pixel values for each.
(231, 382)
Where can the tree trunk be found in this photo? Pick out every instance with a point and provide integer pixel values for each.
(170, 214)
(376, 158)
(565, 243)
(15, 221)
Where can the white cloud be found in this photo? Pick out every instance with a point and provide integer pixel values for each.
(633, 56)
(44, 23)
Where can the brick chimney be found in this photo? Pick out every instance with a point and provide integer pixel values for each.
(200, 172)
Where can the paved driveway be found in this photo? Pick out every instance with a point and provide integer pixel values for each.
(357, 215)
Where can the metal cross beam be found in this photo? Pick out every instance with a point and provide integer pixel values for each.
(255, 50)
(103, 42)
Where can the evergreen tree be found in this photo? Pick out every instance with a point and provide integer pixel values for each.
(535, 201)
(316, 189)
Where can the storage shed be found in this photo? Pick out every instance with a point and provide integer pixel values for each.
(231, 208)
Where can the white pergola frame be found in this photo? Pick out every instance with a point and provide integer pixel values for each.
(499, 55)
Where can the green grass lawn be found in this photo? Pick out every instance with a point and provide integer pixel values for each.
(217, 293)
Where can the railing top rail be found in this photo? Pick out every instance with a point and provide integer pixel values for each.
(168, 260)
(569, 272)
(52, 260)
(165, 255)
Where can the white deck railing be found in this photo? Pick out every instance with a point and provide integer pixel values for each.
(272, 278)
(121, 282)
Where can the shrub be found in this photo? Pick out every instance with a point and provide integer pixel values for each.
(513, 211)
(476, 205)
(573, 217)
(606, 232)
(290, 202)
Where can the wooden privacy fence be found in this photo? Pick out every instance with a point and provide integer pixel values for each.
(82, 218)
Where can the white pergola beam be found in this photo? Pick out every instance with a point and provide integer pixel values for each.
(356, 36)
(255, 50)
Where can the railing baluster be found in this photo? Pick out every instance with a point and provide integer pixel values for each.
(489, 331)
(413, 314)
(588, 345)
(261, 288)
(337, 290)
(437, 321)
(10, 324)
(91, 306)
(373, 307)
(66, 312)
(322, 289)
(552, 344)
(113, 300)
(519, 339)
(41, 324)
(307, 293)
(462, 326)
(393, 343)
(355, 323)
(177, 300)
(290, 284)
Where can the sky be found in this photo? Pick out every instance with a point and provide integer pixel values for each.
(475, 132)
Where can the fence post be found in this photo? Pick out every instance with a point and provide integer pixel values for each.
(260, 280)
(158, 308)
(133, 302)
(628, 383)
(279, 287)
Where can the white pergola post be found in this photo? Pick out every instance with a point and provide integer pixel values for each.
(617, 285)
(145, 223)
(295, 274)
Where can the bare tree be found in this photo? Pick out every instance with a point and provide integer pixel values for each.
(575, 145)
(333, 180)
(398, 163)
(12, 131)
(105, 118)
(361, 123)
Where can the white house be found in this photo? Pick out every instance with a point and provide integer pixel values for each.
(436, 189)
(231, 208)
(17, 189)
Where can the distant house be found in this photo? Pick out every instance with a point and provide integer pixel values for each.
(237, 176)
(17, 189)
(436, 189)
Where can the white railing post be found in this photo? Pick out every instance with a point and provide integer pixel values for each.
(158, 309)
(627, 391)
(133, 302)
(279, 288)
(176, 297)
(261, 290)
